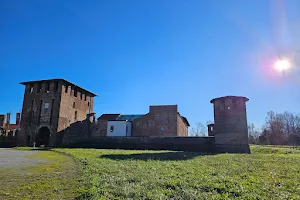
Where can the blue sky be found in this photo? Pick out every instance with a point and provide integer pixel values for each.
(138, 53)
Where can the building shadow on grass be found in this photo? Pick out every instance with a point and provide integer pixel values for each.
(163, 156)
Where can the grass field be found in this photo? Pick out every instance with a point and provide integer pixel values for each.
(268, 173)
(55, 178)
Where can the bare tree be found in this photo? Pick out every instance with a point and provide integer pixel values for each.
(198, 130)
(253, 133)
(281, 128)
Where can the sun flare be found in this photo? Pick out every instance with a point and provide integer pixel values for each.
(282, 64)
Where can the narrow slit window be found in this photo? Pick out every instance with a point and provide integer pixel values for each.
(73, 104)
(66, 89)
(112, 128)
(75, 92)
(51, 113)
(47, 87)
(39, 88)
(75, 117)
(31, 89)
(55, 86)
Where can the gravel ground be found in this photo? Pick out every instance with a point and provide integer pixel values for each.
(15, 158)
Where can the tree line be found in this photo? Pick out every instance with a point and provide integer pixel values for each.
(278, 129)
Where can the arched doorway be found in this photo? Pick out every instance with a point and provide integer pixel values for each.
(43, 137)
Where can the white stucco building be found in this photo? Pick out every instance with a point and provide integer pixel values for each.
(121, 126)
(118, 128)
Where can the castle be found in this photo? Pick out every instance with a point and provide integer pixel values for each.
(6, 127)
(57, 112)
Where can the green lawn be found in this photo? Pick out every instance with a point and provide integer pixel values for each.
(55, 178)
(268, 173)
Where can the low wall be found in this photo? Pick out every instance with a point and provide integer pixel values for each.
(8, 144)
(204, 144)
(196, 144)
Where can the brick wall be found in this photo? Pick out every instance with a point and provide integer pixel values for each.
(182, 128)
(83, 106)
(100, 128)
(196, 144)
(34, 113)
(230, 120)
(204, 144)
(160, 121)
(52, 107)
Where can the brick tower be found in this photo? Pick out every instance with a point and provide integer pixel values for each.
(49, 107)
(231, 129)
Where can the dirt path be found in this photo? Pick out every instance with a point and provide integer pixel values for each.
(35, 174)
(18, 159)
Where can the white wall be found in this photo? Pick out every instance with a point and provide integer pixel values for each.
(119, 128)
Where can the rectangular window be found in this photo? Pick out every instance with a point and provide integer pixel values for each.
(66, 89)
(75, 117)
(46, 105)
(73, 104)
(111, 128)
(84, 97)
(80, 96)
(88, 103)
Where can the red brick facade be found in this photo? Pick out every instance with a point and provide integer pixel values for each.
(161, 121)
(52, 105)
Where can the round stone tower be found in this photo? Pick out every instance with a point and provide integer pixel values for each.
(231, 128)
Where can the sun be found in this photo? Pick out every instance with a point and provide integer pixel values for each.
(282, 65)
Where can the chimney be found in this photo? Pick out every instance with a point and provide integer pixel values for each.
(210, 129)
(8, 118)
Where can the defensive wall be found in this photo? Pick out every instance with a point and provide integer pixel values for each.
(195, 144)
